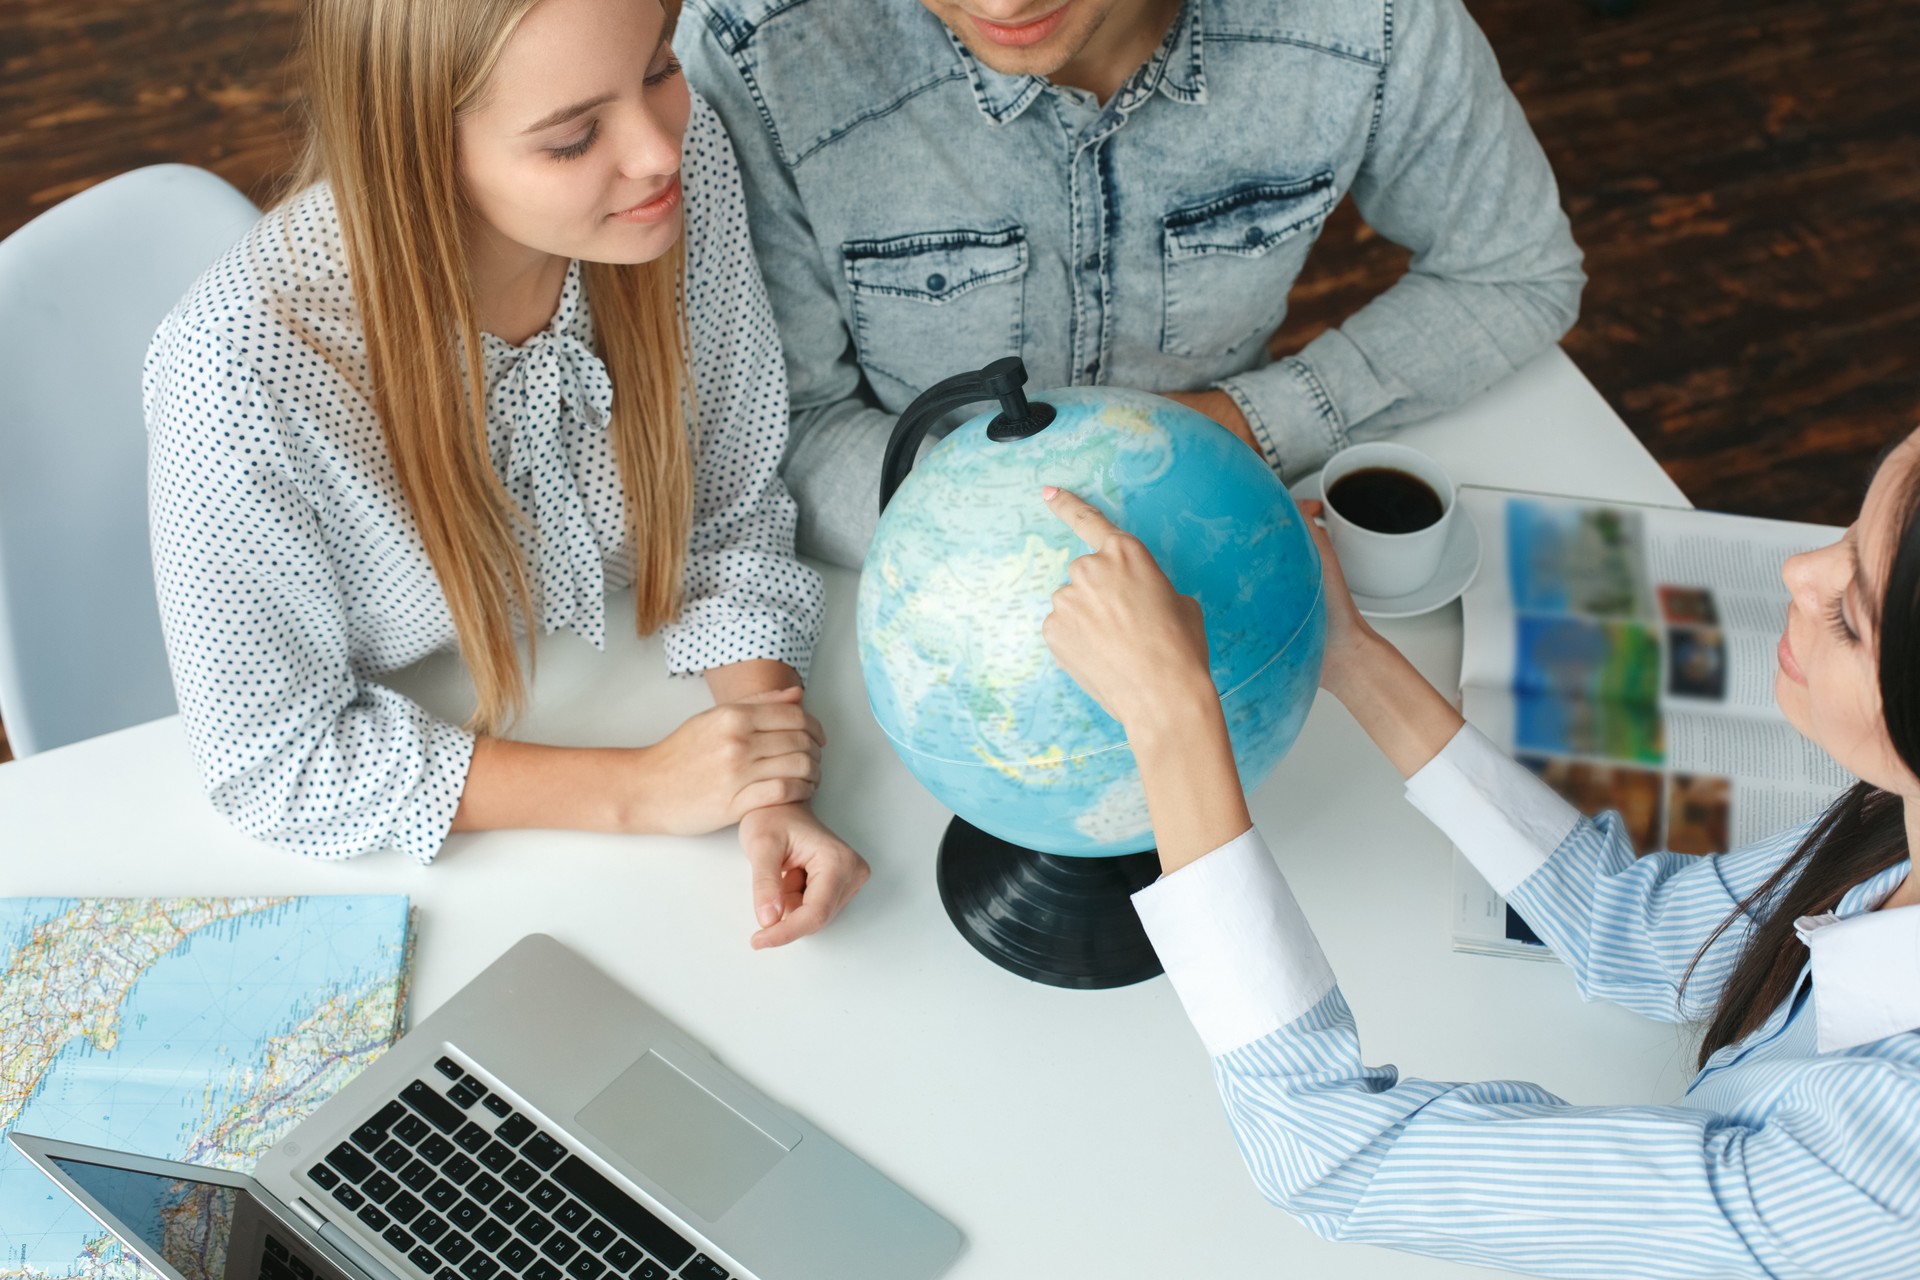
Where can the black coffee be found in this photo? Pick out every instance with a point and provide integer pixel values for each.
(1385, 500)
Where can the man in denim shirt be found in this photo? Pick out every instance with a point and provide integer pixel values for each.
(1122, 192)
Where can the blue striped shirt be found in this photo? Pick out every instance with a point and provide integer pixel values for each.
(1793, 1153)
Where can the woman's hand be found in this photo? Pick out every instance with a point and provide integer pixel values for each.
(802, 872)
(1118, 627)
(727, 762)
(1349, 636)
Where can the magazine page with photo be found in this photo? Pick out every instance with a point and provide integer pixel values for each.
(1626, 655)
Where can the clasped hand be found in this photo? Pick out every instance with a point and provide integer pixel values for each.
(756, 762)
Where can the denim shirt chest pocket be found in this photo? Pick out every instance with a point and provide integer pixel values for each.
(933, 304)
(1228, 261)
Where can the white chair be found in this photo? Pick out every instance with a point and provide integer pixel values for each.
(82, 288)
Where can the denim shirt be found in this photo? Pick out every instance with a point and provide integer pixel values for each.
(918, 214)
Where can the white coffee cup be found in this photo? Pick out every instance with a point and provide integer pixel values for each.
(1384, 565)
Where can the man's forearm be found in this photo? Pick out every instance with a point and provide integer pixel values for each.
(833, 471)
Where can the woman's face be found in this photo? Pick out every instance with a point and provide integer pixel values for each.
(573, 146)
(1829, 679)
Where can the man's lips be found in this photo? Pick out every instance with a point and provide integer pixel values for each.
(1020, 35)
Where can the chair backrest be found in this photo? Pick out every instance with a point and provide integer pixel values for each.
(82, 288)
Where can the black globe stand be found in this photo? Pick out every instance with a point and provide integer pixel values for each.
(1067, 922)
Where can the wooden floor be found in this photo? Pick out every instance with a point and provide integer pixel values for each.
(1743, 174)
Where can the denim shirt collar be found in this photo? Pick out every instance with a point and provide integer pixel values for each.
(1174, 70)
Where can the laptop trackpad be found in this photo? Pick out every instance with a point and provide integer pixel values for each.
(681, 1136)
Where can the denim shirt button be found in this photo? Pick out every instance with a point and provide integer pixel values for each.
(936, 282)
(1254, 235)
(1092, 263)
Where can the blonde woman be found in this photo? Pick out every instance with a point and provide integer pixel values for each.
(469, 377)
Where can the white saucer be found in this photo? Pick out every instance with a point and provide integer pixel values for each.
(1459, 564)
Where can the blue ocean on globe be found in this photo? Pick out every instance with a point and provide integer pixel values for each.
(961, 573)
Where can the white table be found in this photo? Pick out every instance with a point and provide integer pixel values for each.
(1068, 1134)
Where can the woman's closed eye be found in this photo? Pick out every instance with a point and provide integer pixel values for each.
(573, 150)
(1837, 619)
(664, 74)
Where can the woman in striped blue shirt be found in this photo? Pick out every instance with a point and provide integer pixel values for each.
(1795, 1152)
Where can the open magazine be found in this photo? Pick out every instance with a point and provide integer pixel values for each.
(1626, 655)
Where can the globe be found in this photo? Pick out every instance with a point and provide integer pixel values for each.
(961, 574)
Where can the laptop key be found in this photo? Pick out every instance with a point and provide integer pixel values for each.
(543, 1270)
(479, 1267)
(323, 1177)
(472, 1085)
(462, 1097)
(521, 1176)
(543, 1151)
(380, 1187)
(703, 1268)
(430, 1226)
(498, 1105)
(514, 1130)
(466, 1215)
(347, 1196)
(547, 1196)
(397, 1237)
(586, 1267)
(484, 1188)
(450, 1069)
(560, 1247)
(535, 1229)
(274, 1269)
(410, 1130)
(453, 1246)
(422, 1257)
(623, 1211)
(572, 1215)
(419, 1175)
(405, 1207)
(509, 1207)
(435, 1149)
(443, 1115)
(596, 1235)
(651, 1270)
(301, 1269)
(393, 1156)
(371, 1215)
(472, 1137)
(350, 1162)
(491, 1235)
(275, 1248)
(442, 1194)
(496, 1156)
(624, 1256)
(517, 1255)
(459, 1169)
(447, 1273)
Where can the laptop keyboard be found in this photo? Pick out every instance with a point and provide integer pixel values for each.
(464, 1187)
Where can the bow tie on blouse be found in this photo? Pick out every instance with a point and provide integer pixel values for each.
(556, 389)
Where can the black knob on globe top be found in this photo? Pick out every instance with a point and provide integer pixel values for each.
(1067, 922)
(1002, 380)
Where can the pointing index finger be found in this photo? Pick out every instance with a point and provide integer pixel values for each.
(1082, 517)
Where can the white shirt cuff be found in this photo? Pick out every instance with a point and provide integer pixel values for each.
(1495, 810)
(1234, 943)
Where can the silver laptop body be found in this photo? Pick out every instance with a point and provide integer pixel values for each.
(544, 1124)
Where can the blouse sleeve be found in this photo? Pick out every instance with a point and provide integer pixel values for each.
(746, 595)
(290, 746)
(1504, 1173)
(1628, 926)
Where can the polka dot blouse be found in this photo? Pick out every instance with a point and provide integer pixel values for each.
(291, 573)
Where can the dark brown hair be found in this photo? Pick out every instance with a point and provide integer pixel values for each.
(1860, 835)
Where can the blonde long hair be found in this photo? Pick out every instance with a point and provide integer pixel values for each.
(387, 79)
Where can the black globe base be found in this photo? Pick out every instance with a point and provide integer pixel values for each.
(1067, 922)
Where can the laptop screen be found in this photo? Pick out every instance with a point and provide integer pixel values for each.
(201, 1229)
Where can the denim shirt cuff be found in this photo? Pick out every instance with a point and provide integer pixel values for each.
(1290, 414)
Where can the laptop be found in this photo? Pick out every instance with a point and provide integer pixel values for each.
(544, 1124)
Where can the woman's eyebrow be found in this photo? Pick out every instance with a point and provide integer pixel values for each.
(565, 114)
(581, 108)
